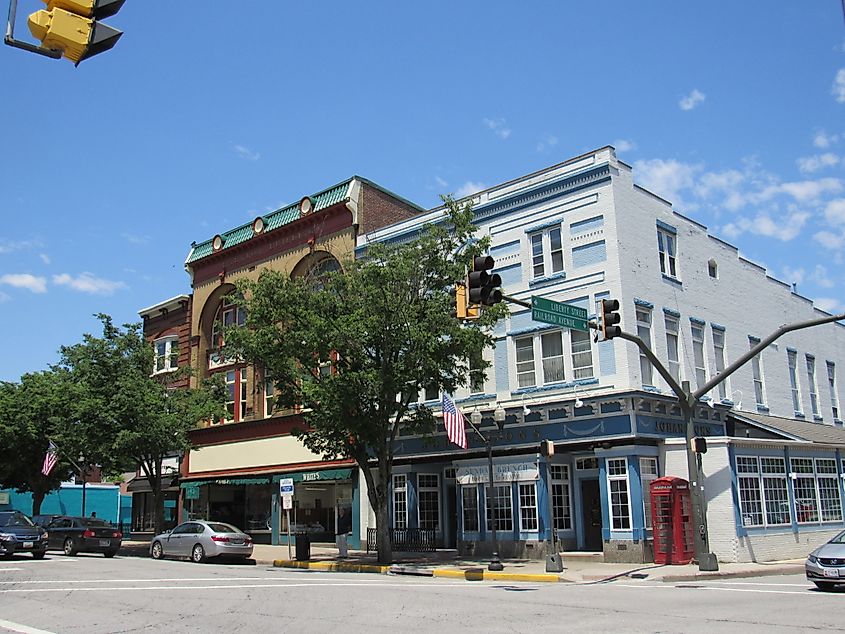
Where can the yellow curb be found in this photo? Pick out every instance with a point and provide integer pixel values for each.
(331, 566)
(479, 574)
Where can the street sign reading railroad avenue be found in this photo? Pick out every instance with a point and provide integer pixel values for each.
(559, 314)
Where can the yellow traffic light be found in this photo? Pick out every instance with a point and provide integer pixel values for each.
(463, 310)
(73, 27)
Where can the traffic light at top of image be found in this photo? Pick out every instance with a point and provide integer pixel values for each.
(74, 28)
(483, 287)
(609, 318)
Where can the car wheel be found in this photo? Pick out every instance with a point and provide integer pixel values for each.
(109, 554)
(825, 586)
(39, 554)
(198, 554)
(157, 552)
(69, 547)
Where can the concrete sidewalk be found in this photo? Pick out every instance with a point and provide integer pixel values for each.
(579, 567)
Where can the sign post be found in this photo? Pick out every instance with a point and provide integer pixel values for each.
(286, 491)
(559, 314)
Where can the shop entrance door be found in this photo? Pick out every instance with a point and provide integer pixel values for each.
(451, 537)
(591, 515)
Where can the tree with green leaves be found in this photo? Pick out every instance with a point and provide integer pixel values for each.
(125, 416)
(354, 347)
(32, 412)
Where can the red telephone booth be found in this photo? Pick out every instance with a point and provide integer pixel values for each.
(671, 520)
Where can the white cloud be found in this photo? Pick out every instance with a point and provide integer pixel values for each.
(88, 283)
(10, 246)
(793, 276)
(246, 153)
(624, 145)
(838, 90)
(498, 126)
(665, 178)
(829, 239)
(36, 284)
(692, 100)
(546, 142)
(821, 278)
(828, 304)
(823, 140)
(469, 188)
(44, 258)
(442, 184)
(809, 164)
(834, 211)
(135, 239)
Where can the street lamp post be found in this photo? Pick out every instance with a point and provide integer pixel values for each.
(475, 418)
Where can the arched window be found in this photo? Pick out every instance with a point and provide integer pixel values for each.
(228, 314)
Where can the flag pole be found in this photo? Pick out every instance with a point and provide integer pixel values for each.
(81, 472)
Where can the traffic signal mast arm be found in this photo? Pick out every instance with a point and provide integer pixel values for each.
(26, 46)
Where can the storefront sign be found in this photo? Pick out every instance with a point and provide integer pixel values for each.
(502, 472)
(4, 498)
(317, 476)
(192, 492)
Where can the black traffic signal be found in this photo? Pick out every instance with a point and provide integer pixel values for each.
(483, 287)
(74, 28)
(609, 318)
(699, 444)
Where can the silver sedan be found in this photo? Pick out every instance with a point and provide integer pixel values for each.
(825, 566)
(201, 540)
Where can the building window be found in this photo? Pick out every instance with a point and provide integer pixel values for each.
(469, 496)
(667, 247)
(757, 376)
(644, 333)
(400, 501)
(429, 500)
(551, 351)
(648, 473)
(432, 393)
(763, 493)
(806, 496)
(582, 355)
(269, 398)
(811, 383)
(504, 508)
(719, 359)
(528, 506)
(546, 253)
(228, 314)
(792, 362)
(167, 354)
(831, 382)
(617, 480)
(713, 269)
(525, 362)
(697, 332)
(236, 395)
(552, 344)
(826, 476)
(672, 351)
(561, 497)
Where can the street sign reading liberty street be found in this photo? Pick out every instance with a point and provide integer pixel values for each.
(559, 314)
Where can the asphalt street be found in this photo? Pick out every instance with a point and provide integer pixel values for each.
(91, 594)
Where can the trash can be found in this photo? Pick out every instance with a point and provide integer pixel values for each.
(303, 547)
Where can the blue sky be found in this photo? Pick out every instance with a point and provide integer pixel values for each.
(208, 114)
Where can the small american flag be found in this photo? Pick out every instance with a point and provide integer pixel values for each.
(453, 419)
(50, 459)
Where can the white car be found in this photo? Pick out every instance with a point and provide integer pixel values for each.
(201, 540)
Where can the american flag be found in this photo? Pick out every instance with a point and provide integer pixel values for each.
(453, 419)
(50, 459)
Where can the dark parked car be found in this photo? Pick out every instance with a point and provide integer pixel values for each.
(43, 520)
(83, 534)
(19, 535)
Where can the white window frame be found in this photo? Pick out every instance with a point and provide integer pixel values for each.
(673, 345)
(812, 385)
(649, 471)
(239, 393)
(764, 496)
(667, 248)
(504, 507)
(831, 383)
(719, 339)
(428, 488)
(699, 361)
(529, 518)
(269, 398)
(400, 500)
(794, 384)
(644, 321)
(561, 496)
(165, 355)
(544, 256)
(618, 521)
(757, 377)
(583, 366)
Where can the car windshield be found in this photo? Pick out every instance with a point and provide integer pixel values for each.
(14, 519)
(220, 527)
(839, 539)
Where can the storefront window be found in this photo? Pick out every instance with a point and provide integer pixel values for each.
(429, 497)
(504, 508)
(470, 507)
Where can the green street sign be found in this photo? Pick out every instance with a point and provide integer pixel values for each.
(559, 314)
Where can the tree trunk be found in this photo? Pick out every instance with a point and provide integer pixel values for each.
(37, 499)
(385, 549)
